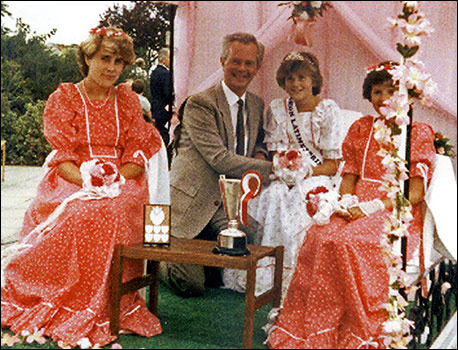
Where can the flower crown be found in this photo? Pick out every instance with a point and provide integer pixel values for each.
(108, 32)
(379, 67)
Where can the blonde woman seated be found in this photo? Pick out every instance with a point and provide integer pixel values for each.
(91, 198)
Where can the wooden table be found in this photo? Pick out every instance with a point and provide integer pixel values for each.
(197, 252)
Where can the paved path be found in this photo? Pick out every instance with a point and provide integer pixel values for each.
(18, 190)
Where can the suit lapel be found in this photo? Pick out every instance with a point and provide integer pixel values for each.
(252, 123)
(223, 106)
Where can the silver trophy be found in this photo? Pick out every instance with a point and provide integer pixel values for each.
(231, 241)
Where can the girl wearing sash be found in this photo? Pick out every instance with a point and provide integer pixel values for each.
(337, 293)
(309, 127)
(57, 284)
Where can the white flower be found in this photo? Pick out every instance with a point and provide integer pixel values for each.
(84, 343)
(413, 5)
(304, 16)
(392, 326)
(445, 287)
(316, 4)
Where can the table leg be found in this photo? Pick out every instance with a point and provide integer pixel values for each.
(250, 304)
(278, 276)
(116, 278)
(153, 269)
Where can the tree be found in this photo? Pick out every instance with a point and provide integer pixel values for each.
(30, 72)
(147, 22)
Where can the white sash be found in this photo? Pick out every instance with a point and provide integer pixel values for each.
(307, 148)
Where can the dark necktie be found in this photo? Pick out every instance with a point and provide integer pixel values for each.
(240, 130)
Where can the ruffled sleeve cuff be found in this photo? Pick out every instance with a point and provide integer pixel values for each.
(332, 154)
(423, 150)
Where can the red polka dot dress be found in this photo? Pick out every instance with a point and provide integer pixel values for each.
(336, 296)
(62, 284)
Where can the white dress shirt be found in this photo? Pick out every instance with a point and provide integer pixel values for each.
(232, 100)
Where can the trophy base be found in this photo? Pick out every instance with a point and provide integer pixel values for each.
(231, 252)
(232, 243)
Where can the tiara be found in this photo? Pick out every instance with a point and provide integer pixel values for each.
(294, 56)
(108, 33)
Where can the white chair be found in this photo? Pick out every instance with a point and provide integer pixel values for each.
(440, 217)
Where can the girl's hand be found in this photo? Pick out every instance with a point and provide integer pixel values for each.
(355, 213)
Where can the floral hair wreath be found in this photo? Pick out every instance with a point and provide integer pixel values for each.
(108, 32)
(379, 67)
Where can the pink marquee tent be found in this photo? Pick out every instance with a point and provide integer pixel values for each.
(350, 37)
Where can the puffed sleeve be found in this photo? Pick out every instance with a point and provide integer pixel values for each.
(422, 149)
(349, 152)
(275, 127)
(327, 124)
(140, 135)
(58, 126)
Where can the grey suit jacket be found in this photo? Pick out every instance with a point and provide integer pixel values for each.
(205, 151)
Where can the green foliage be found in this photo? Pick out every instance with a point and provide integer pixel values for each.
(31, 71)
(147, 23)
(28, 145)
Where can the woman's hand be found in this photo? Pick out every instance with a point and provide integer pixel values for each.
(131, 170)
(70, 172)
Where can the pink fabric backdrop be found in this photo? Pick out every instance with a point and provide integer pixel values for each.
(351, 36)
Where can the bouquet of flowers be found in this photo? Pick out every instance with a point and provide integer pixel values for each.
(101, 178)
(321, 204)
(304, 14)
(290, 166)
(307, 10)
(443, 145)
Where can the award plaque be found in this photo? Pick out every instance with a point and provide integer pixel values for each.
(156, 225)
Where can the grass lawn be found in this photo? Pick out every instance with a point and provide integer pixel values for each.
(213, 321)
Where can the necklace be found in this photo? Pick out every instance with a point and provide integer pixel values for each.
(89, 100)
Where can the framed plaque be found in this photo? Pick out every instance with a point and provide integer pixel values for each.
(156, 225)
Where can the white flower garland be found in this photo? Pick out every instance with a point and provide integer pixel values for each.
(413, 82)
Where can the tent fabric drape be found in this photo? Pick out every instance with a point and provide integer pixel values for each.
(347, 39)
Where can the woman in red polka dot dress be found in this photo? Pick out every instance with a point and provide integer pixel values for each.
(60, 284)
(336, 296)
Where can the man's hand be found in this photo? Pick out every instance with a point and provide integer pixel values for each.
(260, 156)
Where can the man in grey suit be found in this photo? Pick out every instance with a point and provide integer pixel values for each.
(209, 147)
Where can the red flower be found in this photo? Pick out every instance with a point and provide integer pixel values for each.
(96, 181)
(108, 169)
(316, 190)
(290, 159)
(292, 154)
(312, 202)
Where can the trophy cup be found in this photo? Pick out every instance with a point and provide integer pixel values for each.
(235, 196)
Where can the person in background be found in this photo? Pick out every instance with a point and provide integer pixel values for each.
(57, 281)
(139, 87)
(210, 144)
(281, 207)
(139, 71)
(340, 286)
(162, 94)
